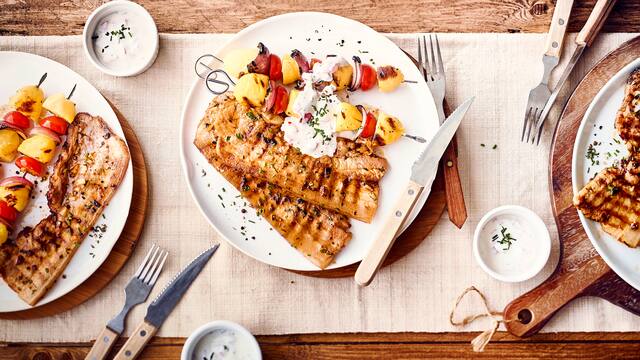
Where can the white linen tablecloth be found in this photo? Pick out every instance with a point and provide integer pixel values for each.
(414, 294)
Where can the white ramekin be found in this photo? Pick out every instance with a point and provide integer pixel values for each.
(106, 9)
(537, 227)
(194, 338)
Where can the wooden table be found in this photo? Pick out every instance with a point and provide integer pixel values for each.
(51, 17)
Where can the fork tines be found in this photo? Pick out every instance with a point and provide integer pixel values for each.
(152, 265)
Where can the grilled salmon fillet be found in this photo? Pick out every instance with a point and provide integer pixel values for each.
(628, 116)
(251, 143)
(319, 234)
(86, 175)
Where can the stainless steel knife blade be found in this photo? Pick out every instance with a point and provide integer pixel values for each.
(164, 303)
(425, 167)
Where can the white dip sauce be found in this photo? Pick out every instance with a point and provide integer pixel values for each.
(223, 344)
(507, 246)
(313, 131)
(121, 41)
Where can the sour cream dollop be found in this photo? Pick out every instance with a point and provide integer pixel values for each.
(313, 130)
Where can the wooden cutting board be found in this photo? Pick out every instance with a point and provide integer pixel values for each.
(121, 251)
(581, 271)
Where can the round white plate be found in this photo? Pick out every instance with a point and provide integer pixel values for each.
(19, 69)
(316, 35)
(598, 126)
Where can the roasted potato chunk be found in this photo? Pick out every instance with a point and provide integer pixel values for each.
(28, 101)
(389, 78)
(349, 118)
(60, 106)
(342, 76)
(388, 129)
(236, 61)
(9, 142)
(290, 70)
(252, 88)
(292, 99)
(16, 196)
(39, 147)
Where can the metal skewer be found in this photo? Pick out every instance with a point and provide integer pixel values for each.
(72, 91)
(44, 76)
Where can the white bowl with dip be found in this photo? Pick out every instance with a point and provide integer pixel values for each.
(121, 38)
(221, 340)
(511, 243)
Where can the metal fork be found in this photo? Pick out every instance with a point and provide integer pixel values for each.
(432, 67)
(538, 97)
(136, 292)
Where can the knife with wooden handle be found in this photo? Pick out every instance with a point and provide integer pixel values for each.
(423, 172)
(162, 306)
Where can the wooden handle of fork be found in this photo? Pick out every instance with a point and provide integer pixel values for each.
(558, 28)
(595, 21)
(383, 242)
(138, 340)
(104, 342)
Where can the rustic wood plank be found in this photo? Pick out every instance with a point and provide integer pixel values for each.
(57, 17)
(380, 345)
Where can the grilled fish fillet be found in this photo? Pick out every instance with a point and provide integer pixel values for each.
(85, 177)
(611, 199)
(319, 234)
(251, 143)
(628, 116)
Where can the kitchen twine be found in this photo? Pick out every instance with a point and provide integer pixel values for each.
(480, 341)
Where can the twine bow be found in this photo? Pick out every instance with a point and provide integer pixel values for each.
(480, 341)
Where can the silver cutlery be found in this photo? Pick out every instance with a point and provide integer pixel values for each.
(539, 95)
(162, 306)
(432, 68)
(586, 36)
(136, 292)
(423, 172)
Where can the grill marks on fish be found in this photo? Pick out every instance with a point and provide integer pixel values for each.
(628, 117)
(346, 182)
(85, 177)
(611, 198)
(317, 233)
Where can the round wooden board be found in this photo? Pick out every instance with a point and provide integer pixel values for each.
(580, 271)
(121, 251)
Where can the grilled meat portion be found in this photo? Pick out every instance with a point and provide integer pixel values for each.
(319, 234)
(85, 177)
(611, 199)
(252, 144)
(628, 116)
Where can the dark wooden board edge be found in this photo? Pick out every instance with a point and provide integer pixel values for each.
(123, 247)
(580, 271)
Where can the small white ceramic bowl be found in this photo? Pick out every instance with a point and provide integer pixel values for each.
(107, 9)
(193, 340)
(537, 229)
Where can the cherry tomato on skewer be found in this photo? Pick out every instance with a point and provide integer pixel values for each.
(30, 165)
(7, 212)
(369, 77)
(55, 123)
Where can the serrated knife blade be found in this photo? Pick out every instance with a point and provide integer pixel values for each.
(426, 165)
(162, 306)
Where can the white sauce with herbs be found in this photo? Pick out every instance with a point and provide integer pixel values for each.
(120, 41)
(313, 131)
(223, 344)
(506, 245)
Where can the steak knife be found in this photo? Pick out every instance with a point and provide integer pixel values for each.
(162, 306)
(423, 172)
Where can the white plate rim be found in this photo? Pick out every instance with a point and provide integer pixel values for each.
(126, 184)
(577, 154)
(197, 82)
